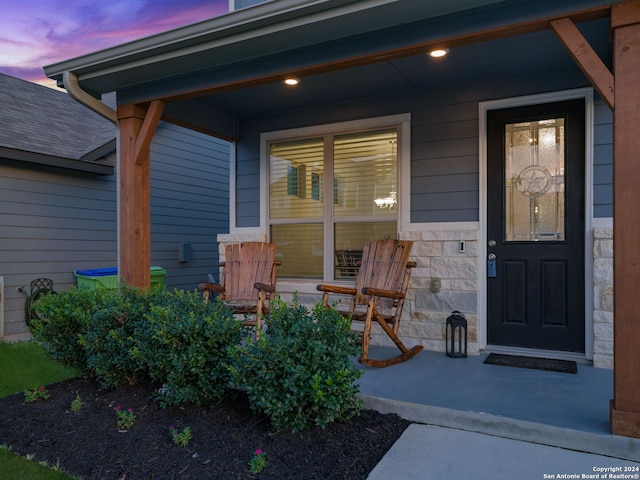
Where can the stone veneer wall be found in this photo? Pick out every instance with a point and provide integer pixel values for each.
(425, 312)
(437, 253)
(603, 297)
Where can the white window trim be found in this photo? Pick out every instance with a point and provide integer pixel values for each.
(484, 107)
(401, 121)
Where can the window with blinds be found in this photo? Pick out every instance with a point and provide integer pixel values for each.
(331, 194)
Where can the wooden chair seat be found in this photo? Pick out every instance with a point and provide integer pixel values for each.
(248, 280)
(379, 294)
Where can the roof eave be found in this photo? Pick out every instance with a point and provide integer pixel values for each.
(246, 26)
(101, 168)
(100, 152)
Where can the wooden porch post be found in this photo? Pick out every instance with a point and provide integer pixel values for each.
(135, 223)
(625, 406)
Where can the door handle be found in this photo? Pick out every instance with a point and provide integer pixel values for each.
(492, 270)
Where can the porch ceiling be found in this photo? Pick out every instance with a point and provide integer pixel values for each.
(486, 61)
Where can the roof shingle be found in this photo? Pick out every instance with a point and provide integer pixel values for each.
(37, 121)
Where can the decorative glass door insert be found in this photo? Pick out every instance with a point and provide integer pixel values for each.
(535, 181)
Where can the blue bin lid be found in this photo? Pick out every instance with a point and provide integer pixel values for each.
(97, 272)
(103, 272)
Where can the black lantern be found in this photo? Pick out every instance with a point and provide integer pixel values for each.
(456, 331)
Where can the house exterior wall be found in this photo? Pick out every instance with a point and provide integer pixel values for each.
(444, 150)
(53, 222)
(189, 202)
(602, 161)
(444, 206)
(56, 221)
(603, 296)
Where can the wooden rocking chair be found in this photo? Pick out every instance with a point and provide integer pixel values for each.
(379, 293)
(248, 279)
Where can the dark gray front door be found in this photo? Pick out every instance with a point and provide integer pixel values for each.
(535, 226)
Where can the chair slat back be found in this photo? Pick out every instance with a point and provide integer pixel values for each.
(384, 266)
(246, 264)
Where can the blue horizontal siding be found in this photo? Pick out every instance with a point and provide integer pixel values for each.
(602, 160)
(54, 222)
(189, 202)
(444, 143)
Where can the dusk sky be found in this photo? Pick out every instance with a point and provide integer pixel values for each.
(34, 33)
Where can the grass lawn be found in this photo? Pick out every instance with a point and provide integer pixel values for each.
(14, 467)
(25, 366)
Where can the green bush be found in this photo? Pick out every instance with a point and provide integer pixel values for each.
(120, 336)
(62, 319)
(110, 336)
(299, 371)
(186, 345)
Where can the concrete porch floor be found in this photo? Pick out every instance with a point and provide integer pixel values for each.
(563, 410)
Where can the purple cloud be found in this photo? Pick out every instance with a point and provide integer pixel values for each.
(35, 33)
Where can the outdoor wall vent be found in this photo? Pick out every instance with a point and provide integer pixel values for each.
(184, 253)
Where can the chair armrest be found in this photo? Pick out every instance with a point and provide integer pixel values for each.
(379, 292)
(212, 287)
(336, 289)
(263, 287)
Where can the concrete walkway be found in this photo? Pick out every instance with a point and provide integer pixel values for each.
(480, 421)
(426, 452)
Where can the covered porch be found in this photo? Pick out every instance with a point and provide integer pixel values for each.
(362, 59)
(550, 408)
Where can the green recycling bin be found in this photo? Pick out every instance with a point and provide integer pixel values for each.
(108, 278)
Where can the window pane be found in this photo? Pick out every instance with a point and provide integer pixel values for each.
(295, 185)
(315, 184)
(365, 173)
(534, 180)
(349, 240)
(299, 249)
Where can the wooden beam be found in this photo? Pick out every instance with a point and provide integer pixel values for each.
(586, 58)
(148, 129)
(134, 200)
(625, 406)
(626, 13)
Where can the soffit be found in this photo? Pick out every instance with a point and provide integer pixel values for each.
(487, 61)
(242, 36)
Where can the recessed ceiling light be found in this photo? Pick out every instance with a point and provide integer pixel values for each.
(440, 52)
(291, 81)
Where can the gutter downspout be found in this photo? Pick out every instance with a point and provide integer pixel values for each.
(70, 81)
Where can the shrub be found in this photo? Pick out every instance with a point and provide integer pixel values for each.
(62, 319)
(120, 336)
(109, 337)
(299, 371)
(186, 345)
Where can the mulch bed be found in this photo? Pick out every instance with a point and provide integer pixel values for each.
(88, 444)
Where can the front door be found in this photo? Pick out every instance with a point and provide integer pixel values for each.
(535, 226)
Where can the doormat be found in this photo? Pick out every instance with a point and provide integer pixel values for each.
(564, 366)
